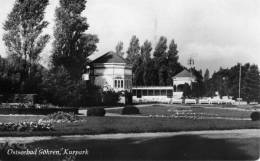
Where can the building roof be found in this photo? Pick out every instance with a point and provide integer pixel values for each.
(109, 57)
(184, 73)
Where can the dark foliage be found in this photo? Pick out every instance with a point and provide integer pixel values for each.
(23, 37)
(96, 111)
(255, 116)
(148, 71)
(110, 98)
(71, 45)
(130, 110)
(226, 82)
(59, 89)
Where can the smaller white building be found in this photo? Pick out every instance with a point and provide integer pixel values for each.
(179, 80)
(184, 77)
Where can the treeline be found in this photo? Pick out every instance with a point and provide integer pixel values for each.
(156, 67)
(226, 82)
(152, 67)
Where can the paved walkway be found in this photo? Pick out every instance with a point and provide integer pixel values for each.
(242, 133)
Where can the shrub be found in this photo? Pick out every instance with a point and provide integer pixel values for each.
(255, 116)
(111, 98)
(61, 117)
(130, 110)
(100, 111)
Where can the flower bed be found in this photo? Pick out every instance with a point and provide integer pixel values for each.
(60, 117)
(37, 109)
(25, 126)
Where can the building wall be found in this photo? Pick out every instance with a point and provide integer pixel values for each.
(116, 76)
(183, 80)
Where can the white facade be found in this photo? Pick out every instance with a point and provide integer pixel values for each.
(182, 80)
(162, 94)
(116, 76)
(110, 72)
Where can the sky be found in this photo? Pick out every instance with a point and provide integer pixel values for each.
(216, 33)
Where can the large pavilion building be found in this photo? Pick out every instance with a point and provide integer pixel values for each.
(110, 71)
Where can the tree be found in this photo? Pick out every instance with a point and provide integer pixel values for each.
(146, 49)
(173, 66)
(206, 82)
(160, 59)
(226, 82)
(23, 34)
(133, 58)
(133, 50)
(119, 48)
(252, 84)
(206, 75)
(71, 44)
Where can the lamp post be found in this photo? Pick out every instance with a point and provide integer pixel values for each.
(239, 85)
(86, 75)
(191, 64)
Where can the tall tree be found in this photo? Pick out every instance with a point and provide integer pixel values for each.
(252, 84)
(23, 34)
(133, 50)
(160, 59)
(119, 48)
(133, 58)
(173, 65)
(206, 75)
(71, 44)
(146, 49)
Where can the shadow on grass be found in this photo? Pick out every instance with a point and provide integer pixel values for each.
(183, 147)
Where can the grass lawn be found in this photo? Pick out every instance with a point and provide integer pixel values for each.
(100, 125)
(168, 110)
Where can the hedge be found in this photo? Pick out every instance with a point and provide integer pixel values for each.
(255, 116)
(130, 110)
(96, 111)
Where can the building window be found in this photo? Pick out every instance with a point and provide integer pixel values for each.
(157, 92)
(144, 92)
(134, 92)
(115, 85)
(163, 92)
(119, 83)
(122, 84)
(139, 94)
(150, 92)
